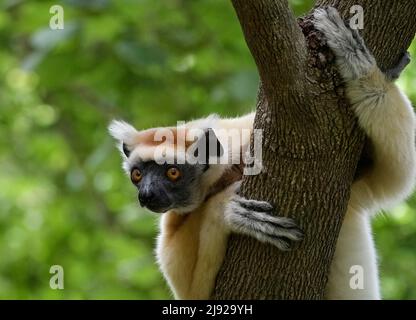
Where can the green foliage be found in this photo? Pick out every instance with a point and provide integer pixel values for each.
(64, 199)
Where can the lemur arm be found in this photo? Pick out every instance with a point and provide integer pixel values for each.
(383, 111)
(390, 125)
(191, 247)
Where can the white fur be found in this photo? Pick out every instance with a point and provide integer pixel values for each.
(355, 247)
(123, 131)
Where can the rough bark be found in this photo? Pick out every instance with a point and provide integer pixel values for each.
(311, 142)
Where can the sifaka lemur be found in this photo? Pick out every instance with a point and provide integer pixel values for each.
(200, 201)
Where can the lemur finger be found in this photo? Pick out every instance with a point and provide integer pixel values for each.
(239, 226)
(255, 205)
(277, 225)
(279, 242)
(394, 73)
(270, 223)
(260, 224)
(354, 60)
(243, 225)
(260, 211)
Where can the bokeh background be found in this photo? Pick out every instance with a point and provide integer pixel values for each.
(63, 197)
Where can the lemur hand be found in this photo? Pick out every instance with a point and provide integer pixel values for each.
(254, 218)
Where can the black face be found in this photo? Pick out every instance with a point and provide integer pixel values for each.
(165, 187)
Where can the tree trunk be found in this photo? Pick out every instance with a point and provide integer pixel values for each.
(311, 142)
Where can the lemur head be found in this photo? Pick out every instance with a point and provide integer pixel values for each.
(172, 168)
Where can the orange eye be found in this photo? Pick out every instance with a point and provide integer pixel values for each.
(135, 176)
(173, 174)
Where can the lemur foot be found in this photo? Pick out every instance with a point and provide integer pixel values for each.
(253, 218)
(394, 73)
(354, 60)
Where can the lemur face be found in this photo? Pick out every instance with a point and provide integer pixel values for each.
(170, 175)
(163, 187)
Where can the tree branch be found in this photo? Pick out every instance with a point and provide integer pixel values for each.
(274, 39)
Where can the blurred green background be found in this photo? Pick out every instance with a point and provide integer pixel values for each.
(63, 196)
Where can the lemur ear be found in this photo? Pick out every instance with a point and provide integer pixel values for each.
(126, 150)
(124, 133)
(208, 146)
(213, 145)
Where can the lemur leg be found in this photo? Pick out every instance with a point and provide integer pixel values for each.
(354, 272)
(254, 218)
(385, 114)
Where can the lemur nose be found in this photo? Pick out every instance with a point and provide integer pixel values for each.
(145, 197)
